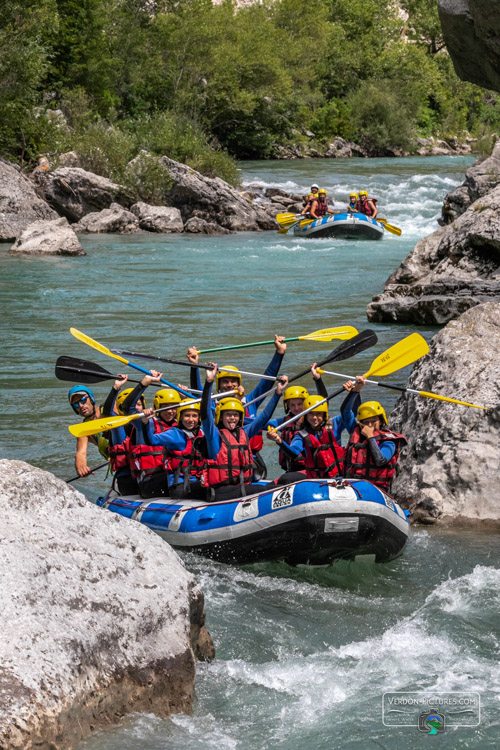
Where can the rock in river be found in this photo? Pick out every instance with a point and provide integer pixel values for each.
(113, 219)
(74, 192)
(446, 273)
(48, 237)
(483, 176)
(19, 203)
(158, 218)
(99, 616)
(453, 457)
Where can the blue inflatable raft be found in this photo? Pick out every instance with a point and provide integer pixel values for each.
(313, 521)
(350, 226)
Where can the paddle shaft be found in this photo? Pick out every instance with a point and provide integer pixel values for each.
(246, 346)
(425, 394)
(94, 468)
(306, 411)
(95, 373)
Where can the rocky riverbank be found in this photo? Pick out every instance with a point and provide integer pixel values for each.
(100, 617)
(450, 470)
(457, 266)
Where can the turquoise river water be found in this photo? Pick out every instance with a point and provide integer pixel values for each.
(304, 655)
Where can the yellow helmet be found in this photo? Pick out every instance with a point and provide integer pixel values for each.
(363, 192)
(293, 391)
(166, 396)
(187, 405)
(121, 398)
(315, 401)
(227, 372)
(322, 191)
(229, 404)
(353, 195)
(371, 409)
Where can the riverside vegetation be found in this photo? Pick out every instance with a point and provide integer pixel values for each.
(205, 82)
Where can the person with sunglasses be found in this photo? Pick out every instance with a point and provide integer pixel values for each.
(82, 401)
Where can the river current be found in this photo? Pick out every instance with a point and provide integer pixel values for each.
(304, 655)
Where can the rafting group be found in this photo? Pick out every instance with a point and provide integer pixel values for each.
(359, 220)
(210, 447)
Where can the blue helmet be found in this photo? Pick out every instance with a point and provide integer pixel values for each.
(80, 389)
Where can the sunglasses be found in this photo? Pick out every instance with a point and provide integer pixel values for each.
(76, 404)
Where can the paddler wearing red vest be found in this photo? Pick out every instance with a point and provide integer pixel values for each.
(366, 205)
(373, 449)
(318, 441)
(319, 206)
(229, 380)
(229, 471)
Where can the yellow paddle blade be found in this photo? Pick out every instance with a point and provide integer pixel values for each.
(293, 219)
(84, 429)
(398, 356)
(328, 334)
(451, 400)
(284, 230)
(280, 218)
(390, 227)
(95, 345)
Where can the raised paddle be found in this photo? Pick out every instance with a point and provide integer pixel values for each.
(73, 370)
(390, 227)
(92, 427)
(104, 350)
(94, 468)
(346, 350)
(324, 334)
(395, 358)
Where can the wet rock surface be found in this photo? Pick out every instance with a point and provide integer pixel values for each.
(448, 272)
(114, 219)
(450, 470)
(471, 30)
(195, 225)
(99, 616)
(48, 237)
(74, 192)
(213, 200)
(158, 218)
(19, 203)
(480, 178)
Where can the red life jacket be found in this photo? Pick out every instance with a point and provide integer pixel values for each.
(287, 462)
(321, 208)
(188, 462)
(119, 455)
(146, 459)
(233, 464)
(363, 206)
(323, 455)
(359, 463)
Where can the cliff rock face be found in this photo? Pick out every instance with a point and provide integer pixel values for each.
(483, 176)
(212, 199)
(471, 30)
(99, 616)
(19, 203)
(448, 272)
(452, 463)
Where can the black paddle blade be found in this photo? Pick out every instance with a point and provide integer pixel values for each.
(351, 347)
(79, 370)
(346, 350)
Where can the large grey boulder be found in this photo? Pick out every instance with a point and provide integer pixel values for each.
(482, 177)
(19, 203)
(48, 237)
(448, 272)
(113, 219)
(73, 192)
(471, 30)
(452, 461)
(158, 218)
(99, 616)
(212, 199)
(195, 225)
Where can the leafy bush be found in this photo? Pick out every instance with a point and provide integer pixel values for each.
(379, 119)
